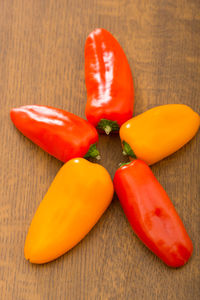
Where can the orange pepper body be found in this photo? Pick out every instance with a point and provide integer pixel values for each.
(109, 83)
(76, 199)
(159, 132)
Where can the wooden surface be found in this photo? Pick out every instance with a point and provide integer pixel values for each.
(42, 62)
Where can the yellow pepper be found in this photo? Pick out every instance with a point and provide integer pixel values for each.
(76, 199)
(159, 132)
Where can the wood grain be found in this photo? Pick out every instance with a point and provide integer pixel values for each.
(42, 62)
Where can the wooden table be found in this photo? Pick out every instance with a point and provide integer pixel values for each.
(42, 62)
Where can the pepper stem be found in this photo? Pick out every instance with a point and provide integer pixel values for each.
(124, 164)
(93, 152)
(107, 129)
(108, 125)
(127, 150)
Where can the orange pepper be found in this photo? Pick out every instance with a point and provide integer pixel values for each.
(76, 199)
(159, 132)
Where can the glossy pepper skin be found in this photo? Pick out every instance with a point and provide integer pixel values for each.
(109, 83)
(152, 214)
(76, 199)
(58, 132)
(159, 132)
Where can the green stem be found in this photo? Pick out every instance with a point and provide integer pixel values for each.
(108, 129)
(127, 150)
(108, 125)
(93, 152)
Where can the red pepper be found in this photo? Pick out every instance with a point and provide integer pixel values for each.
(152, 214)
(109, 83)
(58, 132)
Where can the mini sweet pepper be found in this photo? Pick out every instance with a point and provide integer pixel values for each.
(76, 199)
(159, 132)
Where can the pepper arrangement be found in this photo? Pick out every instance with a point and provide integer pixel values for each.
(74, 203)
